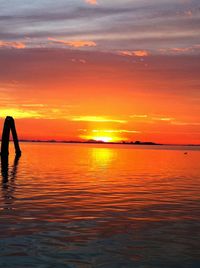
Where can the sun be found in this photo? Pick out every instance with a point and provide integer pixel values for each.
(103, 135)
(103, 138)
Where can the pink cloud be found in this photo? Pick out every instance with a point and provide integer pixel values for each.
(91, 2)
(10, 44)
(79, 61)
(180, 50)
(76, 43)
(136, 53)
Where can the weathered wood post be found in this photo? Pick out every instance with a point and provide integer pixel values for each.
(5, 137)
(15, 137)
(9, 125)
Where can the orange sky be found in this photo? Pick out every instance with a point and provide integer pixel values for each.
(81, 78)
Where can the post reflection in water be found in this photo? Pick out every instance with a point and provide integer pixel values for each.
(8, 180)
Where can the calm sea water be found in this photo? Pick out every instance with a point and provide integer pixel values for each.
(78, 205)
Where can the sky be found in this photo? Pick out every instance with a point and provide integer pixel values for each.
(121, 70)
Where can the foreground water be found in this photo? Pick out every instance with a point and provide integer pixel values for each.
(70, 205)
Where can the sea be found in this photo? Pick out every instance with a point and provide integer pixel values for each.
(100, 205)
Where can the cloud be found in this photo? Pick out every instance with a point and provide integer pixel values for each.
(139, 116)
(117, 27)
(152, 118)
(136, 53)
(91, 2)
(76, 43)
(96, 119)
(115, 131)
(10, 44)
(188, 13)
(79, 61)
(167, 119)
(181, 50)
(34, 105)
(19, 113)
(178, 123)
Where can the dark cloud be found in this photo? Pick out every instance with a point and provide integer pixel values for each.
(122, 26)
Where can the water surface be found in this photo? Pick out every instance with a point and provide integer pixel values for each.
(79, 205)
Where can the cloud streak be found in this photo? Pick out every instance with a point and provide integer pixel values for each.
(129, 27)
(114, 131)
(91, 2)
(97, 119)
(135, 53)
(75, 43)
(10, 44)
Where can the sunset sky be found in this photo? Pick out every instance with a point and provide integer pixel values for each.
(108, 70)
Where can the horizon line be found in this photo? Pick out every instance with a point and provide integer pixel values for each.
(112, 143)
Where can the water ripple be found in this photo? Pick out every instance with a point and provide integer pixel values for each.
(100, 206)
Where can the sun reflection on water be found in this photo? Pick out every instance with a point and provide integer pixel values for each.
(102, 156)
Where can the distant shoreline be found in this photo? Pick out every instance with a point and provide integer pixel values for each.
(112, 143)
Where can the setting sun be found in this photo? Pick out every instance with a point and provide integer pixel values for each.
(103, 138)
(104, 135)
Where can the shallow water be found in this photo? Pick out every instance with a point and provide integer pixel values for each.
(79, 205)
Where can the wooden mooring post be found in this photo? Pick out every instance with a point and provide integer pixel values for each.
(9, 125)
